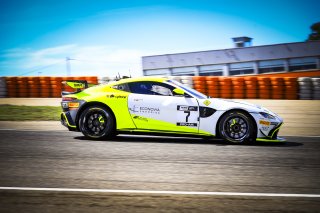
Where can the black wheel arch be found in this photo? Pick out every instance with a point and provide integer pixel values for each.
(237, 110)
(94, 103)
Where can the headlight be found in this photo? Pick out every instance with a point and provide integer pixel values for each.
(267, 115)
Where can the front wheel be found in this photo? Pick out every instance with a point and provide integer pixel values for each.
(237, 127)
(97, 122)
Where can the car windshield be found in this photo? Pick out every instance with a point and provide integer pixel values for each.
(193, 92)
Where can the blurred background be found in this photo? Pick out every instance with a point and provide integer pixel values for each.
(96, 41)
(107, 37)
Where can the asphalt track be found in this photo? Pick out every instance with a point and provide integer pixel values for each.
(57, 166)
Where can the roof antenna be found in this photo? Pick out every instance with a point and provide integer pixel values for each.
(119, 75)
(130, 73)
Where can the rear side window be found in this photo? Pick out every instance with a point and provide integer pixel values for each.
(122, 87)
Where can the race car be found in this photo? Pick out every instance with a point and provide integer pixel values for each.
(162, 106)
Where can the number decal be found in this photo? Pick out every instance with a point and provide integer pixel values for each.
(188, 115)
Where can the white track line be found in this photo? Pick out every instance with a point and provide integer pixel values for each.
(159, 192)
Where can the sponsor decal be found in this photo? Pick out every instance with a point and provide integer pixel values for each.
(138, 99)
(75, 85)
(207, 102)
(274, 123)
(265, 128)
(78, 85)
(140, 118)
(73, 104)
(143, 109)
(116, 96)
(186, 124)
(150, 110)
(266, 123)
(187, 108)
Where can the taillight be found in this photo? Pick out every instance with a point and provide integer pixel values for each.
(68, 99)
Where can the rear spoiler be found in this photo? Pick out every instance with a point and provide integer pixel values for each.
(78, 85)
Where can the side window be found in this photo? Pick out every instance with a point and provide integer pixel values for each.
(150, 88)
(122, 87)
(161, 90)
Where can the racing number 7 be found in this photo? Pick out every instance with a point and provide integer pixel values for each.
(188, 115)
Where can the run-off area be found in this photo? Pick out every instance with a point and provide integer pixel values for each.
(60, 159)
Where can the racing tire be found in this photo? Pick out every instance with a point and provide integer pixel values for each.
(97, 122)
(237, 127)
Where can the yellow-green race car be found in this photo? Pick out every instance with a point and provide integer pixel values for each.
(156, 105)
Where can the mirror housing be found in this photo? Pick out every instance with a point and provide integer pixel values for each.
(178, 91)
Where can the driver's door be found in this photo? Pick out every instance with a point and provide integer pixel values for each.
(153, 107)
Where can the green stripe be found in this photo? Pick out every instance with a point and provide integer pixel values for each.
(270, 140)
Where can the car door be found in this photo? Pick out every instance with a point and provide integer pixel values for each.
(153, 107)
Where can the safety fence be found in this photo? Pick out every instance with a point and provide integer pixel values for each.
(250, 87)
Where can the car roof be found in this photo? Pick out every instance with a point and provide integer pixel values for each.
(138, 79)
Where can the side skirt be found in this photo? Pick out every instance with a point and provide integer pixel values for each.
(162, 133)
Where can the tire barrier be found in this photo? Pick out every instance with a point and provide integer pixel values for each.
(238, 88)
(38, 87)
(225, 85)
(213, 86)
(277, 88)
(34, 87)
(250, 87)
(264, 88)
(305, 88)
(200, 84)
(316, 88)
(12, 87)
(291, 88)
(3, 87)
(253, 87)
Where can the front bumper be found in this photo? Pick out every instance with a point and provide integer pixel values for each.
(273, 135)
(268, 129)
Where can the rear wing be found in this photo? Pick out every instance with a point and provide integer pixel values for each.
(74, 86)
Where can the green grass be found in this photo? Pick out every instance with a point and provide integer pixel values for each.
(29, 113)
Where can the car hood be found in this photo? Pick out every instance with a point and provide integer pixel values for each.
(226, 104)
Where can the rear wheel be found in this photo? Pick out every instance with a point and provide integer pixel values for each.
(237, 127)
(97, 122)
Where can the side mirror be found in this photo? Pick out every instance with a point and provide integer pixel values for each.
(178, 91)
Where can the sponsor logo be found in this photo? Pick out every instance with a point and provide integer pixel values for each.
(78, 85)
(207, 102)
(187, 108)
(116, 96)
(143, 109)
(140, 118)
(186, 124)
(266, 123)
(74, 104)
(150, 110)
